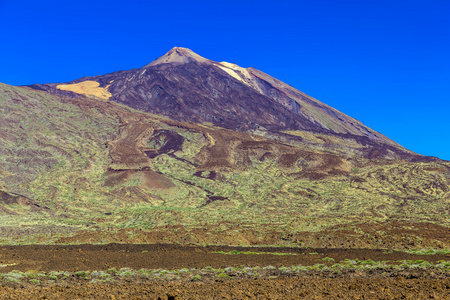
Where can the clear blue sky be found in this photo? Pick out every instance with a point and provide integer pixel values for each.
(386, 63)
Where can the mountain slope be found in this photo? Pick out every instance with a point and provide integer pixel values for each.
(187, 87)
(87, 170)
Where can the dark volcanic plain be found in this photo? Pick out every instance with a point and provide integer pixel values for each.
(162, 271)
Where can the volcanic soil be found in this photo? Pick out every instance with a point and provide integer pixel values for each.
(271, 283)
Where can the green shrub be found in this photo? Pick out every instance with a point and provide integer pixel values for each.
(32, 273)
(319, 266)
(223, 276)
(368, 262)
(82, 274)
(196, 277)
(327, 259)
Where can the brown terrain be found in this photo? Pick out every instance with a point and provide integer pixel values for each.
(224, 276)
(222, 150)
(389, 235)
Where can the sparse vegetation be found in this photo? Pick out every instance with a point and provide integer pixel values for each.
(236, 252)
(207, 273)
(428, 251)
(65, 175)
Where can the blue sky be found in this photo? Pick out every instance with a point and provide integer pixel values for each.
(386, 63)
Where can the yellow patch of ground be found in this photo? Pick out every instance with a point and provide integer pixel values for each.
(246, 77)
(88, 88)
(232, 73)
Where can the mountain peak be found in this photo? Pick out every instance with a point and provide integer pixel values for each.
(233, 97)
(178, 55)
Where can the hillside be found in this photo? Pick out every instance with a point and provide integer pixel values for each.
(84, 169)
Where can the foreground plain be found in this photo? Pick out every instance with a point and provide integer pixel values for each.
(162, 271)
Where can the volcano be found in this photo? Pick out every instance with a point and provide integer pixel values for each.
(185, 86)
(189, 150)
